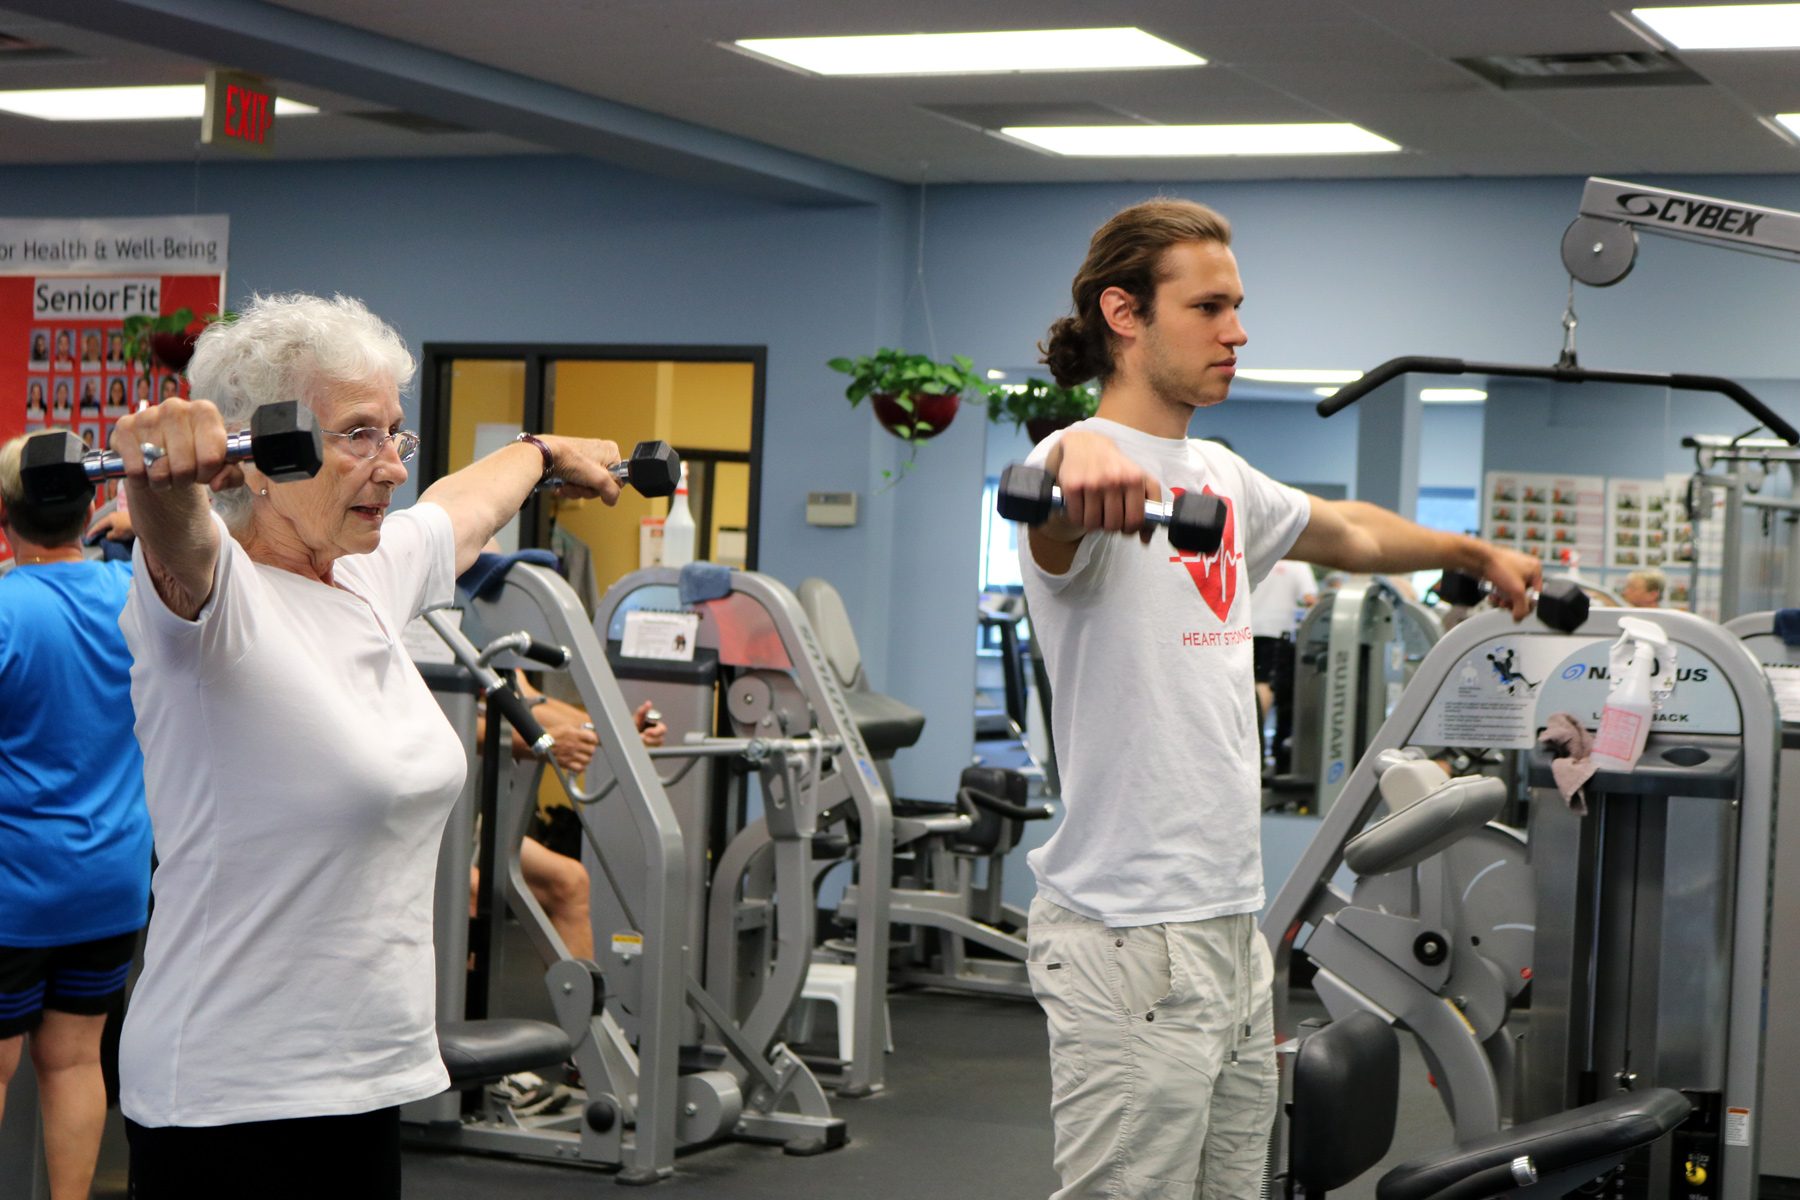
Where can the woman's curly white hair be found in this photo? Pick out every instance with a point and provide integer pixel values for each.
(290, 347)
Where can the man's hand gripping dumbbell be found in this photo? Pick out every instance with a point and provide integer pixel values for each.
(1196, 522)
(1560, 603)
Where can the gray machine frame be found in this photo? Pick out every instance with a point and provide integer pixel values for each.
(1780, 1128)
(1740, 468)
(803, 689)
(953, 917)
(1338, 706)
(1310, 896)
(628, 1041)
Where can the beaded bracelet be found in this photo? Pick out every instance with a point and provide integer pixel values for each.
(549, 462)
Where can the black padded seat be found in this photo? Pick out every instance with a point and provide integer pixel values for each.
(477, 1051)
(1346, 1094)
(1599, 1133)
(887, 725)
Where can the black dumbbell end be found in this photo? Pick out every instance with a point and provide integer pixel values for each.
(1197, 523)
(1563, 605)
(51, 470)
(285, 442)
(654, 469)
(1025, 494)
(1460, 588)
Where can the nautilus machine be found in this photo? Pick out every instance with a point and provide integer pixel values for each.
(1354, 653)
(1637, 934)
(758, 670)
(674, 1050)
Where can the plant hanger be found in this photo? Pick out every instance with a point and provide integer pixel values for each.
(1599, 248)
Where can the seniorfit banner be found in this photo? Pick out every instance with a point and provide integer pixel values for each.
(66, 288)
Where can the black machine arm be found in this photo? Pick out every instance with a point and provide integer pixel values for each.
(1394, 368)
(1599, 248)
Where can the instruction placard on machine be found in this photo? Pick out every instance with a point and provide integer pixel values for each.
(660, 635)
(1507, 687)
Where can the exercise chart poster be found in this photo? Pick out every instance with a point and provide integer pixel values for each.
(66, 289)
(1546, 515)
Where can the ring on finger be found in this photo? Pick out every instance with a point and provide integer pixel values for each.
(151, 452)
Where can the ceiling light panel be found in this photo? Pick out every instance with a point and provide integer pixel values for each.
(1117, 49)
(1725, 26)
(174, 102)
(1297, 375)
(1452, 395)
(1200, 141)
(1790, 121)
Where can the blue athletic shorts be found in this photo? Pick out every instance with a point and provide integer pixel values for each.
(84, 979)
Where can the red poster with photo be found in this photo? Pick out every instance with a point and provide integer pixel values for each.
(66, 289)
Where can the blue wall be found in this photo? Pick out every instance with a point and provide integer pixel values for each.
(1612, 429)
(1338, 274)
(1451, 437)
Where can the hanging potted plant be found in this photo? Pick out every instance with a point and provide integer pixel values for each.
(915, 397)
(165, 342)
(161, 341)
(1041, 407)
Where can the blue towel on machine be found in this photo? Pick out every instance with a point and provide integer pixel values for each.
(704, 581)
(484, 578)
(1787, 626)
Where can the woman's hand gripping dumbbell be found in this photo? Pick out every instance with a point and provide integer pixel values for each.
(1196, 521)
(1560, 603)
(283, 440)
(654, 469)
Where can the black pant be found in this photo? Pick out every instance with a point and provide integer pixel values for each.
(354, 1157)
(1274, 665)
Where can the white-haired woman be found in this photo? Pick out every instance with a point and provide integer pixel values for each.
(298, 772)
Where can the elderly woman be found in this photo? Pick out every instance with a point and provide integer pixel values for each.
(74, 836)
(297, 769)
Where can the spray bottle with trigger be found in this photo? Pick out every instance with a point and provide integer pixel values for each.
(1641, 654)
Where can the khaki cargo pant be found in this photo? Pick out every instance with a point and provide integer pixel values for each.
(1162, 1055)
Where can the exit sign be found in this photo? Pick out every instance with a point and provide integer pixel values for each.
(240, 111)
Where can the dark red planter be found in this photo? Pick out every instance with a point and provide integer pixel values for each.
(935, 410)
(173, 350)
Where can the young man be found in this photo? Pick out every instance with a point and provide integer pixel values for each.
(1144, 950)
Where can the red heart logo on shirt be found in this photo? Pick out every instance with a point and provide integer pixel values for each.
(1216, 575)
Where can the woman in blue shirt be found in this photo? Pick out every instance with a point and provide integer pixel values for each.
(74, 832)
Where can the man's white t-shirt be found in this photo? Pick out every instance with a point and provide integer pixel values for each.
(298, 774)
(1149, 654)
(1275, 602)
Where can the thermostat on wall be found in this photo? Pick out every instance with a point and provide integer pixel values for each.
(831, 508)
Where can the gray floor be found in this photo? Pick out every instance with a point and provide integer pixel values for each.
(966, 1115)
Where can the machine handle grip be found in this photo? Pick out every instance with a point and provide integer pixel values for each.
(1387, 372)
(548, 653)
(513, 707)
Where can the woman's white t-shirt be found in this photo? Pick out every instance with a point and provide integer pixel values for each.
(1149, 655)
(298, 774)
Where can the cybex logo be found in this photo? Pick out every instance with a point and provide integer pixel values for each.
(1691, 214)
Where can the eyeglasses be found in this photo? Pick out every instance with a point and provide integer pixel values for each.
(367, 442)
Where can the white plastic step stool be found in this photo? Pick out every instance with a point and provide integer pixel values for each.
(835, 983)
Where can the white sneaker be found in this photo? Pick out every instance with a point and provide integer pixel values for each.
(529, 1094)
